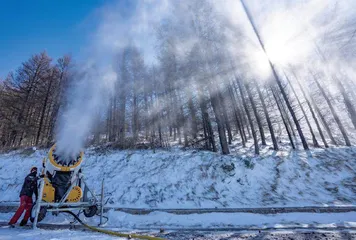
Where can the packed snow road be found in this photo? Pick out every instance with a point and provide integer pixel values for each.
(196, 226)
(310, 235)
(158, 220)
(65, 234)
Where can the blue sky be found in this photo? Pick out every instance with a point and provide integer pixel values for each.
(28, 27)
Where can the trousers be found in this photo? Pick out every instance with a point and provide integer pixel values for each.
(25, 205)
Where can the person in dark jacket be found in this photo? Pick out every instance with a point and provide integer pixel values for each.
(29, 188)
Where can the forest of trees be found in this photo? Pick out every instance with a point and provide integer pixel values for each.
(202, 97)
(30, 100)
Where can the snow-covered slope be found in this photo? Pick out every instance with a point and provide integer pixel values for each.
(195, 179)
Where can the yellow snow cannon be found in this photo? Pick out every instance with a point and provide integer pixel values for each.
(63, 187)
(56, 168)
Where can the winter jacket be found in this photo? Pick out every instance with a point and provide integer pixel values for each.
(29, 186)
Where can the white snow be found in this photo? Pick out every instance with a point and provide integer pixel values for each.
(225, 220)
(157, 220)
(193, 179)
(26, 234)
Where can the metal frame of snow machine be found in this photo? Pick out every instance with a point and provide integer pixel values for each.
(74, 198)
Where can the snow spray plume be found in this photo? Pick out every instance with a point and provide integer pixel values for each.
(200, 34)
(88, 97)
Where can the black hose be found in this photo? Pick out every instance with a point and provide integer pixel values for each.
(113, 233)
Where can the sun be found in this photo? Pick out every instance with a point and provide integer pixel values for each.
(277, 52)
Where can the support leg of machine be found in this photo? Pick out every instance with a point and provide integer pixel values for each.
(38, 203)
(102, 203)
(91, 192)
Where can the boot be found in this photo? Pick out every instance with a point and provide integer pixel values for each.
(11, 225)
(23, 222)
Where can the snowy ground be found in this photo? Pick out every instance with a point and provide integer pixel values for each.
(27, 234)
(192, 179)
(226, 220)
(275, 235)
(157, 220)
(12, 234)
(307, 226)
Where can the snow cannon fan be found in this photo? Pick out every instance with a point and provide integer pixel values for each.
(59, 174)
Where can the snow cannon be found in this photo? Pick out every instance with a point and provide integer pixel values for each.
(59, 172)
(63, 187)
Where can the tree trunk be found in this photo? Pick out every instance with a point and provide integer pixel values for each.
(333, 112)
(208, 130)
(257, 115)
(236, 112)
(244, 120)
(315, 141)
(192, 110)
(270, 126)
(348, 102)
(226, 118)
(44, 109)
(281, 111)
(257, 150)
(313, 114)
(122, 118)
(325, 124)
(219, 122)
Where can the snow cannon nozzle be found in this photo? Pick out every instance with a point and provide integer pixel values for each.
(64, 160)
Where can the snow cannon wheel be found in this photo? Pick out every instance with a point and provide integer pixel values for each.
(41, 214)
(91, 211)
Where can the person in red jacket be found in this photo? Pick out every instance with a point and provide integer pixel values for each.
(29, 188)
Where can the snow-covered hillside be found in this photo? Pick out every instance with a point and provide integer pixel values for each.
(196, 179)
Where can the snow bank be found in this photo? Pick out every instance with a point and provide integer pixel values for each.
(157, 220)
(196, 179)
(226, 220)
